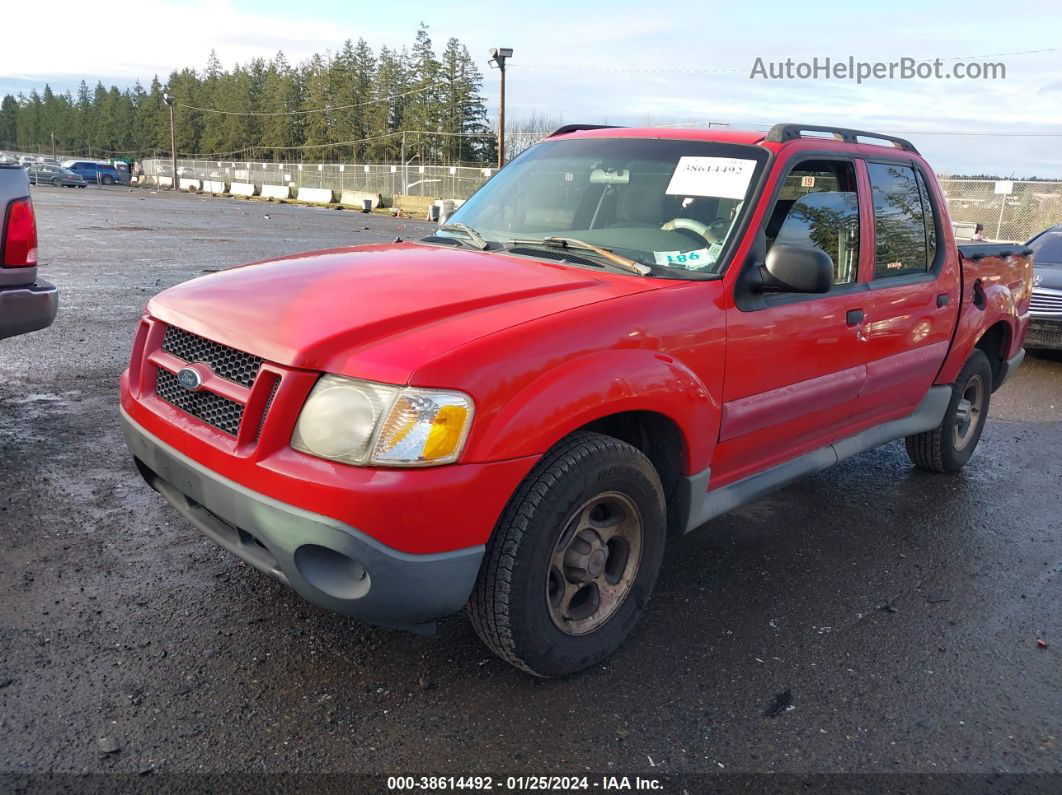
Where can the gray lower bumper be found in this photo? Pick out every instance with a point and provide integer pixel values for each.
(29, 308)
(327, 562)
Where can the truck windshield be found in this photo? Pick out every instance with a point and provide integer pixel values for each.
(672, 203)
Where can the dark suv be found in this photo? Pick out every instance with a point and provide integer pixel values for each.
(1045, 326)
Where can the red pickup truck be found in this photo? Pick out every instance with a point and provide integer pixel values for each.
(625, 332)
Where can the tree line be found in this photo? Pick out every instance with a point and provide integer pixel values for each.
(353, 104)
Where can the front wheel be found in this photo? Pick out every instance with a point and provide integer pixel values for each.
(572, 562)
(949, 446)
(56, 182)
(107, 180)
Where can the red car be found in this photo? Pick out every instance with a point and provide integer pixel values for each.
(625, 333)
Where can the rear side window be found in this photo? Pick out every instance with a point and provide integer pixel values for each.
(904, 226)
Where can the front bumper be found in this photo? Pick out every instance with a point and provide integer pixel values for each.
(27, 308)
(329, 563)
(1044, 334)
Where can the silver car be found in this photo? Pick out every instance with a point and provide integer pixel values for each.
(47, 174)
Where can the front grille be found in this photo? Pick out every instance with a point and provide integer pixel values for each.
(1044, 335)
(229, 363)
(222, 413)
(1046, 301)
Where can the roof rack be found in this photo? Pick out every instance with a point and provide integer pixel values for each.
(570, 128)
(780, 133)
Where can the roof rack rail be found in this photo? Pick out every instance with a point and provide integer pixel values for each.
(780, 133)
(570, 128)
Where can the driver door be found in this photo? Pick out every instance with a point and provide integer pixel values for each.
(795, 363)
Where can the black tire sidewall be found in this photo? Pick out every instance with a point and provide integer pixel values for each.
(537, 640)
(954, 459)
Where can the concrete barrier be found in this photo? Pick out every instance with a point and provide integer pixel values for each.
(214, 186)
(316, 195)
(164, 182)
(242, 189)
(276, 192)
(190, 184)
(354, 198)
(415, 206)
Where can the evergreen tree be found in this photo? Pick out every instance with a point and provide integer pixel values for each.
(9, 122)
(269, 109)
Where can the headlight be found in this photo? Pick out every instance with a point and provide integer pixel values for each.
(358, 422)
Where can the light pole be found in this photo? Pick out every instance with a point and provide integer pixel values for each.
(498, 57)
(168, 99)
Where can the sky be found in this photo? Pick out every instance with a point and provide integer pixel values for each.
(682, 62)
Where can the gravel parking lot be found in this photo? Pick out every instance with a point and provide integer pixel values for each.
(900, 610)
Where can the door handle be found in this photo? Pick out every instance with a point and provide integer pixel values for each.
(854, 317)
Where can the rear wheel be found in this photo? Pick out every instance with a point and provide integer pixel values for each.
(58, 183)
(949, 446)
(572, 562)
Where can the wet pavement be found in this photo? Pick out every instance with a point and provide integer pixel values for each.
(900, 610)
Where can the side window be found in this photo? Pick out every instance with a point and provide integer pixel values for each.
(932, 218)
(818, 206)
(901, 242)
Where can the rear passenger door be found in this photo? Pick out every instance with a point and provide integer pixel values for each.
(914, 290)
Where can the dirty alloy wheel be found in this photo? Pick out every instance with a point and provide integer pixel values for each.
(949, 446)
(573, 559)
(594, 563)
(107, 180)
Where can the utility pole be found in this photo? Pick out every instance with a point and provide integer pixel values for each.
(498, 57)
(53, 145)
(168, 99)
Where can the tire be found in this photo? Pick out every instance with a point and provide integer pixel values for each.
(523, 595)
(57, 183)
(106, 180)
(949, 446)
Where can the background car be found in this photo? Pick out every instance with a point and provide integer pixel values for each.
(1045, 326)
(92, 171)
(43, 173)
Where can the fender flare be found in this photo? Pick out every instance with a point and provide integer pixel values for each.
(590, 387)
(974, 322)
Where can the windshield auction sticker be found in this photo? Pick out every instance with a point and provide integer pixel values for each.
(720, 177)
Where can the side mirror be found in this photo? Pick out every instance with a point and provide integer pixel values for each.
(797, 269)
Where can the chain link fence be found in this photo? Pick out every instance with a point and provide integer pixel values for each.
(1028, 208)
(389, 180)
(1017, 215)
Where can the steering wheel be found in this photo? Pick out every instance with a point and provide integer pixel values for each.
(710, 232)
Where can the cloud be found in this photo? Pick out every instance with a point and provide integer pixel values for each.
(626, 62)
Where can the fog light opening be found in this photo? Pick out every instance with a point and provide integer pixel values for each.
(332, 572)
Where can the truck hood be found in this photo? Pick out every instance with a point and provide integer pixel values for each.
(381, 311)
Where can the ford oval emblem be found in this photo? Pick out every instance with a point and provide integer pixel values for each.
(189, 378)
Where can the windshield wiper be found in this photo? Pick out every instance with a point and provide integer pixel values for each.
(471, 234)
(626, 263)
